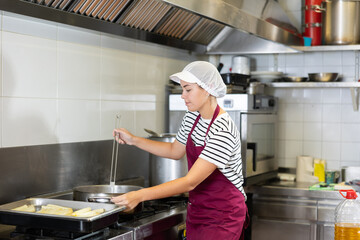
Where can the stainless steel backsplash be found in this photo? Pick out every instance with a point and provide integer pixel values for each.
(34, 170)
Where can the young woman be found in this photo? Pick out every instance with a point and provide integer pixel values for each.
(211, 141)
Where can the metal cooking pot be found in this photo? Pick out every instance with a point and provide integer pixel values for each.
(256, 88)
(165, 169)
(103, 193)
(341, 22)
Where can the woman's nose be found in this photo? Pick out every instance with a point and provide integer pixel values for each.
(183, 94)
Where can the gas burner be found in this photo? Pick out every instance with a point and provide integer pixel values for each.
(151, 208)
(24, 233)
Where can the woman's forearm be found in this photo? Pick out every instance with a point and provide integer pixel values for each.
(167, 189)
(174, 150)
(162, 149)
(200, 170)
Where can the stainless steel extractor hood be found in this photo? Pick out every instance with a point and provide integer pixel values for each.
(203, 26)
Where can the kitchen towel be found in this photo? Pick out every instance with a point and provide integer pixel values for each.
(305, 169)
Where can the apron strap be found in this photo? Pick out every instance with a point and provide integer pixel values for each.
(217, 110)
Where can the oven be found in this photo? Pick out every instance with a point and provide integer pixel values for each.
(256, 118)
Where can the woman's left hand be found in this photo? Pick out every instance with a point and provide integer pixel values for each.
(130, 200)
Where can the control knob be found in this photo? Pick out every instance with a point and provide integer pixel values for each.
(271, 102)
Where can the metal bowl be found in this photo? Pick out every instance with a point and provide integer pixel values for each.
(323, 77)
(295, 79)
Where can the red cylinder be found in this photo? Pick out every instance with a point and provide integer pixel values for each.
(313, 22)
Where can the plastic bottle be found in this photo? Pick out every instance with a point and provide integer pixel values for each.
(347, 217)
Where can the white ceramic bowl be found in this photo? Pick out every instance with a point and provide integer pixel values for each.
(266, 77)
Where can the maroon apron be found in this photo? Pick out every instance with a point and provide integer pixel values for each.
(216, 208)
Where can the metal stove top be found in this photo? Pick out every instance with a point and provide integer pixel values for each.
(159, 219)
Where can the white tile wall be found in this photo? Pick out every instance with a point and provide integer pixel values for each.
(117, 69)
(109, 109)
(314, 121)
(29, 66)
(28, 26)
(319, 122)
(78, 66)
(28, 121)
(149, 78)
(78, 120)
(63, 84)
(1, 21)
(330, 127)
(312, 112)
(78, 35)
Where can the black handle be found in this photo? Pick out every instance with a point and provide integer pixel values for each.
(252, 146)
(103, 199)
(220, 66)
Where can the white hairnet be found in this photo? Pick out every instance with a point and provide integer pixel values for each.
(205, 75)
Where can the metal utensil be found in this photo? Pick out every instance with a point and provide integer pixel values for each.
(104, 193)
(114, 156)
(152, 132)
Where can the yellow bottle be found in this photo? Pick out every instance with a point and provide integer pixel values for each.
(319, 169)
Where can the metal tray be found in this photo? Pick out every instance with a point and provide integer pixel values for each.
(57, 222)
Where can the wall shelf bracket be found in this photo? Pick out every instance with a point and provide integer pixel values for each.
(355, 98)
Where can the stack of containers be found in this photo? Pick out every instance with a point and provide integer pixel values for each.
(241, 65)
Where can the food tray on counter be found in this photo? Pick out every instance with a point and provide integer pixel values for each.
(59, 222)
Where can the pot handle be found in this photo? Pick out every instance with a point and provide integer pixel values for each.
(318, 8)
(99, 199)
(252, 146)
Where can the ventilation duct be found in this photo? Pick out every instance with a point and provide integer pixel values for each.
(203, 26)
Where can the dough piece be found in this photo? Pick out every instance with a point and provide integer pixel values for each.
(25, 208)
(56, 210)
(91, 213)
(81, 211)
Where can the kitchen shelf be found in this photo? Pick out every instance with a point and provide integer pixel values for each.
(324, 48)
(353, 86)
(314, 84)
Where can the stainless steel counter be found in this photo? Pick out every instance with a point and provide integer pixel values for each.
(281, 209)
(293, 189)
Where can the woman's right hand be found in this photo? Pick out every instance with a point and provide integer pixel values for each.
(123, 136)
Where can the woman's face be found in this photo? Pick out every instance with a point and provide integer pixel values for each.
(193, 95)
